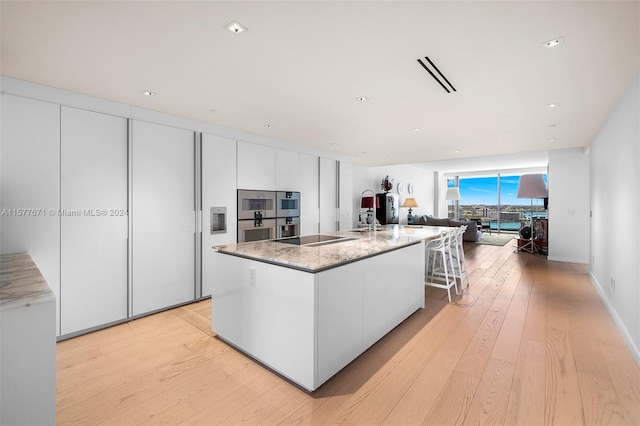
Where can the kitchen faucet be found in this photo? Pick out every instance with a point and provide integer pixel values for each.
(373, 199)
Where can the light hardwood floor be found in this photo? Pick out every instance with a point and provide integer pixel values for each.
(530, 342)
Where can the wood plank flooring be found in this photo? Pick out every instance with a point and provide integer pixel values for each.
(529, 343)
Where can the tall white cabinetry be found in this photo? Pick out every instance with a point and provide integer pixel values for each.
(287, 170)
(256, 166)
(164, 217)
(218, 190)
(93, 226)
(309, 207)
(345, 195)
(328, 195)
(30, 172)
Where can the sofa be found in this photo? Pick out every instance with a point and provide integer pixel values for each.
(472, 234)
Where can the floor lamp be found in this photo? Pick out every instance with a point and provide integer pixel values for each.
(531, 186)
(453, 194)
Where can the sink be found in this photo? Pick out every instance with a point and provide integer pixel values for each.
(365, 229)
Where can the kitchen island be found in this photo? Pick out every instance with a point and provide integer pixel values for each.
(307, 308)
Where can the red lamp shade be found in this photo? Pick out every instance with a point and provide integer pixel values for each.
(367, 203)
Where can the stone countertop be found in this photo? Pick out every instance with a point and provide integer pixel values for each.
(21, 283)
(321, 257)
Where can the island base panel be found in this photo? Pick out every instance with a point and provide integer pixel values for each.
(308, 326)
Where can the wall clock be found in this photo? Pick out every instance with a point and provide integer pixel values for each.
(400, 188)
(410, 188)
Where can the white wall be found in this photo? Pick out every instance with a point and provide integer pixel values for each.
(615, 199)
(371, 178)
(569, 205)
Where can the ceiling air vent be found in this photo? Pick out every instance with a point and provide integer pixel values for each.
(439, 73)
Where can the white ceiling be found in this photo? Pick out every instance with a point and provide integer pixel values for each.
(302, 64)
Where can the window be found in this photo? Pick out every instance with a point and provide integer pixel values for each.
(491, 201)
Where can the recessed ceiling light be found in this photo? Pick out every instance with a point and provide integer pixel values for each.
(456, 151)
(552, 125)
(148, 93)
(213, 110)
(236, 27)
(552, 139)
(362, 98)
(417, 129)
(554, 42)
(552, 105)
(268, 126)
(334, 144)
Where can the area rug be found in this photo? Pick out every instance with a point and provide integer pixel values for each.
(495, 239)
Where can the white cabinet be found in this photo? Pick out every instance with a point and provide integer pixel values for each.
(30, 167)
(309, 211)
(28, 349)
(218, 190)
(340, 305)
(358, 303)
(328, 195)
(164, 238)
(345, 189)
(287, 170)
(256, 166)
(93, 229)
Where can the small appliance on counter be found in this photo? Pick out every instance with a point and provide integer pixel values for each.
(266, 215)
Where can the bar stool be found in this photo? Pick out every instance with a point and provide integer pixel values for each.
(458, 261)
(438, 271)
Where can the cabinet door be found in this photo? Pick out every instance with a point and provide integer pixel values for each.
(287, 170)
(309, 212)
(345, 189)
(30, 179)
(93, 257)
(163, 211)
(218, 190)
(328, 195)
(256, 166)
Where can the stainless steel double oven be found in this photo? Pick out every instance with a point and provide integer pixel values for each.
(266, 215)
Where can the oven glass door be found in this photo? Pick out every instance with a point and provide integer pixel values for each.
(288, 204)
(251, 203)
(257, 234)
(249, 230)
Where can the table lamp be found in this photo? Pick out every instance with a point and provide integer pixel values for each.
(367, 203)
(411, 203)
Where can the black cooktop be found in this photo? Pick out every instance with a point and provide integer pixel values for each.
(309, 239)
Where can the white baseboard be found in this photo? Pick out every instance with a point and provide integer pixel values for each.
(566, 259)
(635, 351)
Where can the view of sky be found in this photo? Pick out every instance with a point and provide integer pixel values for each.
(484, 190)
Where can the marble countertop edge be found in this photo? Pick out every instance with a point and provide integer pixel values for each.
(21, 283)
(308, 258)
